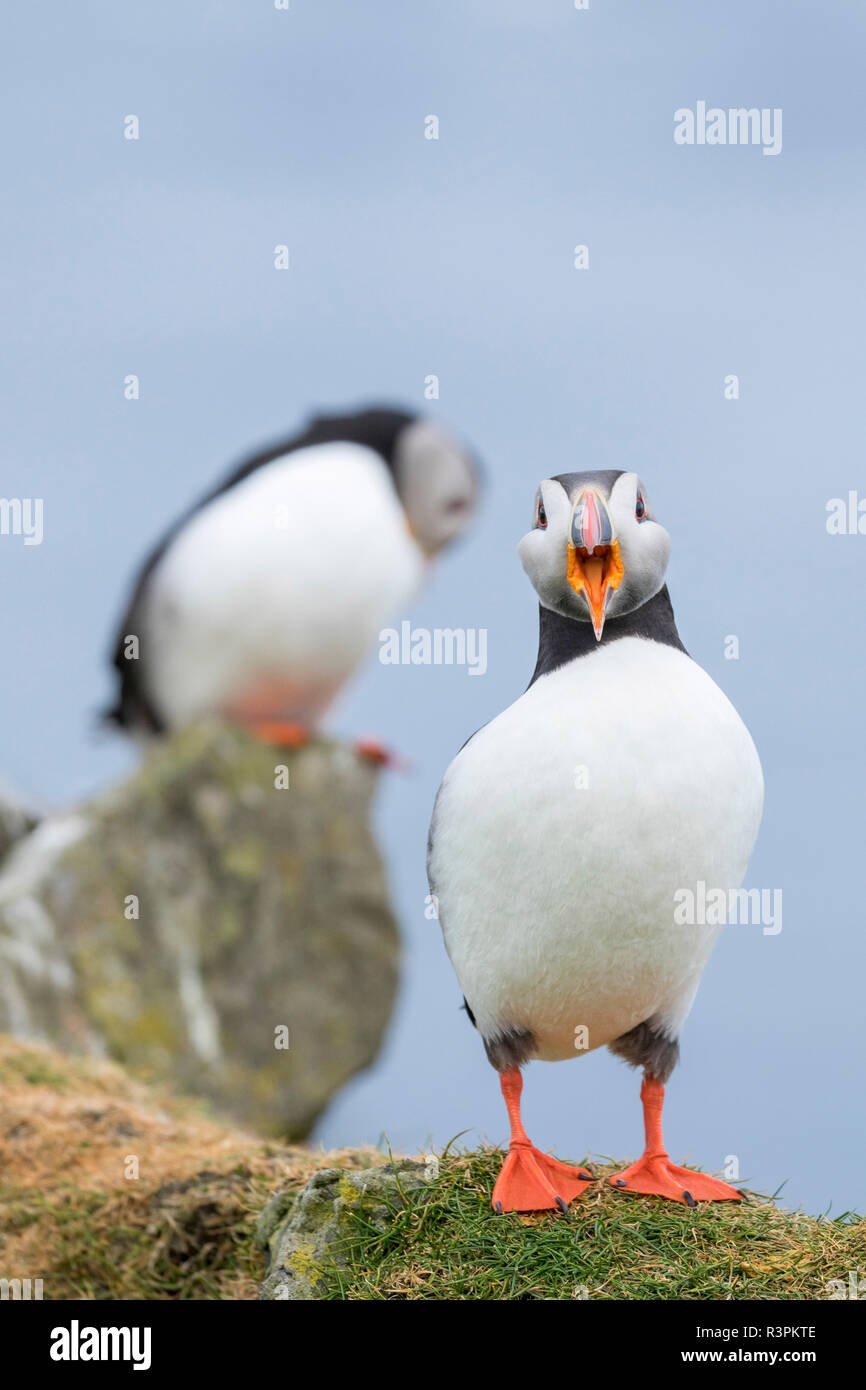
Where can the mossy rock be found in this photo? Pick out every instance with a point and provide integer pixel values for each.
(191, 921)
(309, 1235)
(15, 822)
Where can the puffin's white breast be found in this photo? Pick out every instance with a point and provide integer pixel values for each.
(564, 829)
(289, 575)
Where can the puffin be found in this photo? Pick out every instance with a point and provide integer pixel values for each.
(566, 827)
(263, 599)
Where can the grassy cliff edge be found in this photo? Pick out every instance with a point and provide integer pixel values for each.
(113, 1189)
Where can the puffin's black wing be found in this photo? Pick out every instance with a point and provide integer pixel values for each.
(377, 428)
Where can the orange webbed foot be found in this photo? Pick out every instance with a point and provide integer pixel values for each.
(654, 1175)
(280, 733)
(372, 751)
(533, 1181)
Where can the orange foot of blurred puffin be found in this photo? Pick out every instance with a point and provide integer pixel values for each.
(280, 733)
(372, 751)
(531, 1180)
(655, 1175)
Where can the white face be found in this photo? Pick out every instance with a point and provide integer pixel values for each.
(437, 483)
(594, 553)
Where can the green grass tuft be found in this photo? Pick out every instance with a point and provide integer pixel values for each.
(449, 1244)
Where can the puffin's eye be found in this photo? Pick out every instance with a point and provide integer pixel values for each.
(541, 516)
(640, 507)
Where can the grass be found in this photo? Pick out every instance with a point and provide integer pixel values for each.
(71, 1214)
(183, 1228)
(609, 1246)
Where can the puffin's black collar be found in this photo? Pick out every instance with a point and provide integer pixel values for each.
(561, 640)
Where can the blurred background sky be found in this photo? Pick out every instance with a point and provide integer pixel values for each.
(454, 257)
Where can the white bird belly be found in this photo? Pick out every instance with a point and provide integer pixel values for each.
(563, 831)
(280, 585)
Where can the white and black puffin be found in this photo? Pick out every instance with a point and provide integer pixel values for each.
(564, 828)
(263, 599)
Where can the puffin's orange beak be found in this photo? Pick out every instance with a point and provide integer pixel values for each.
(595, 576)
(595, 565)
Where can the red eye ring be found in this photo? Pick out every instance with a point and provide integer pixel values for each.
(541, 516)
(640, 507)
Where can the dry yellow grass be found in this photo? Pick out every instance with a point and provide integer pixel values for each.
(71, 1132)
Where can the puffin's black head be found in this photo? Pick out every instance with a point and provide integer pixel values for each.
(595, 549)
(436, 477)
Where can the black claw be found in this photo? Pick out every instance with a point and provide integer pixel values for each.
(689, 1198)
(587, 1177)
(744, 1195)
(620, 1182)
(498, 1208)
(561, 1204)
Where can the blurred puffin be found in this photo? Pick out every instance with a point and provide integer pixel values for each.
(263, 599)
(563, 829)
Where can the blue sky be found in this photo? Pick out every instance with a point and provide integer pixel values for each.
(454, 257)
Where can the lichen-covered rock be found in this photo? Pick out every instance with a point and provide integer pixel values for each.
(306, 1233)
(220, 919)
(15, 822)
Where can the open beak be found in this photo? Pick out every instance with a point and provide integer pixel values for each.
(595, 565)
